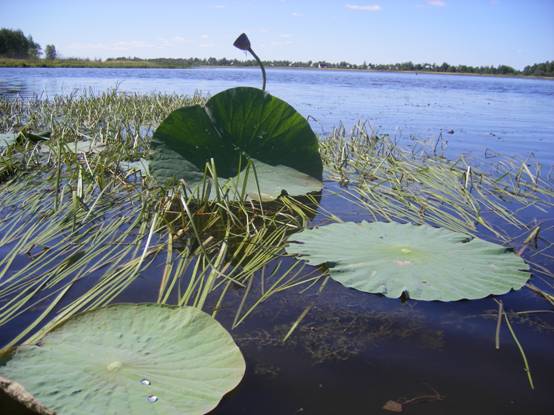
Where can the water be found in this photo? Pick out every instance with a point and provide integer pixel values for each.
(353, 352)
(485, 115)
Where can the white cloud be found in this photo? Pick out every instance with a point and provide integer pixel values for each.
(296, 14)
(364, 7)
(282, 42)
(122, 45)
(128, 45)
(178, 39)
(436, 3)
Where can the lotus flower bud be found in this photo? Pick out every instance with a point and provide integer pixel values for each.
(242, 42)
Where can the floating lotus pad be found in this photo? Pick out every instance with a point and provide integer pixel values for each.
(7, 139)
(131, 359)
(87, 146)
(141, 166)
(235, 126)
(424, 262)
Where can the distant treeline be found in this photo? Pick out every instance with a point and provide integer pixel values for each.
(540, 69)
(545, 69)
(81, 63)
(405, 66)
(16, 49)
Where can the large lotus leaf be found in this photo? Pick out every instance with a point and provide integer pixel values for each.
(233, 127)
(266, 128)
(423, 262)
(185, 141)
(131, 359)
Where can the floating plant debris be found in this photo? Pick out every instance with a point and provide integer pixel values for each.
(421, 262)
(100, 362)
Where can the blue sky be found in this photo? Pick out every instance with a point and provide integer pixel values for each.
(473, 32)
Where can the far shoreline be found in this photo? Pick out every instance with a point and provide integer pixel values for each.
(375, 71)
(28, 64)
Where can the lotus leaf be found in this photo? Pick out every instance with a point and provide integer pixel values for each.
(87, 146)
(423, 262)
(141, 165)
(7, 139)
(235, 126)
(131, 359)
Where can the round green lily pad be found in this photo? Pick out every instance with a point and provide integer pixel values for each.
(422, 262)
(131, 359)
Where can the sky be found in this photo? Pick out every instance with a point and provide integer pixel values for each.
(470, 32)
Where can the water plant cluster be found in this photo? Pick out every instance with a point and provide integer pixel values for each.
(99, 192)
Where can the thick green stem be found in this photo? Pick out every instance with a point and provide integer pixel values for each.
(261, 66)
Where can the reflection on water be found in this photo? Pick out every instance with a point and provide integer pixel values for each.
(474, 114)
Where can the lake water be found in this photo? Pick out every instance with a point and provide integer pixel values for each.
(479, 116)
(353, 352)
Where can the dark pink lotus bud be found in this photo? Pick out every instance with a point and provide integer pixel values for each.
(242, 42)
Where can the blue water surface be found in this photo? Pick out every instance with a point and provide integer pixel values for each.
(478, 116)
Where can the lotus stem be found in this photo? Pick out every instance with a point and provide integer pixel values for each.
(261, 66)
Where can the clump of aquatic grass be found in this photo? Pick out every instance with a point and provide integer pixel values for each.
(110, 114)
(82, 248)
(77, 231)
(393, 184)
(124, 122)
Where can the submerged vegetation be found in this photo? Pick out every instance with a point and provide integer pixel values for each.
(83, 223)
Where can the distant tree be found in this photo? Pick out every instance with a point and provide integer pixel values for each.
(50, 52)
(505, 70)
(14, 44)
(444, 67)
(34, 50)
(540, 69)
